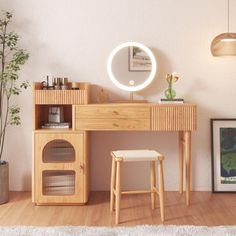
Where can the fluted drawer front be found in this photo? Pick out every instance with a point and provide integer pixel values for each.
(173, 117)
(61, 97)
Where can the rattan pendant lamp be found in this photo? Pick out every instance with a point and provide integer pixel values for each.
(224, 44)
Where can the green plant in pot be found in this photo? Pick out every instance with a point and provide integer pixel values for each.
(11, 60)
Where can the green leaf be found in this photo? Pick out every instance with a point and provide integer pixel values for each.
(14, 91)
(14, 115)
(25, 84)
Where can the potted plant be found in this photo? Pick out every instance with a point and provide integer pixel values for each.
(11, 60)
(170, 92)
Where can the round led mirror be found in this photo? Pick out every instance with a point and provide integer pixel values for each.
(131, 66)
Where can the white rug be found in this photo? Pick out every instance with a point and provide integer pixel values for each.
(143, 230)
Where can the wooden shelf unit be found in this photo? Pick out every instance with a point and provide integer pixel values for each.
(43, 99)
(60, 156)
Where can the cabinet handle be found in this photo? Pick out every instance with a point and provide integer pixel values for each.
(81, 167)
(116, 125)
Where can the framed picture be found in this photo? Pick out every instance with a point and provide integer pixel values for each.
(223, 140)
(139, 60)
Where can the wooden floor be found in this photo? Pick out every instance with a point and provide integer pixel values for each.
(205, 209)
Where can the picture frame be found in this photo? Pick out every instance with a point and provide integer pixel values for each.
(223, 149)
(139, 60)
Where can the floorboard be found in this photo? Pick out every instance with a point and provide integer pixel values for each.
(206, 209)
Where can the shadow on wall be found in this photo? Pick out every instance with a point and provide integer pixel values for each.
(134, 175)
(201, 150)
(158, 85)
(113, 96)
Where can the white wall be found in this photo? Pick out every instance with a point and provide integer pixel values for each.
(74, 38)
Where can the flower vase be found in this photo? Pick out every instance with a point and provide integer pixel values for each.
(170, 93)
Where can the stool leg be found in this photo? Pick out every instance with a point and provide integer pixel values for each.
(153, 183)
(161, 189)
(113, 180)
(118, 191)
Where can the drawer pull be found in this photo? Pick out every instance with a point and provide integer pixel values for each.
(116, 112)
(116, 125)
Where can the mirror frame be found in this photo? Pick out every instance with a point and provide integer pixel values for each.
(116, 81)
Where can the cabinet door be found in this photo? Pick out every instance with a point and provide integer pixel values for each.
(59, 168)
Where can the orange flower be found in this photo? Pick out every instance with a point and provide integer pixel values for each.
(172, 77)
(168, 77)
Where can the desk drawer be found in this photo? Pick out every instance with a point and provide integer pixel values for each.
(112, 124)
(111, 111)
(112, 117)
(174, 117)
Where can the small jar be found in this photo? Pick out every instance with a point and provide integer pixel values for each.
(64, 87)
(64, 81)
(57, 87)
(75, 86)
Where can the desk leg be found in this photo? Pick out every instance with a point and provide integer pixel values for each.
(181, 161)
(187, 139)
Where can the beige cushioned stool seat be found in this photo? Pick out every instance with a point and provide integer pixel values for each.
(137, 155)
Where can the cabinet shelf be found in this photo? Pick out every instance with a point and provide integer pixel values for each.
(64, 130)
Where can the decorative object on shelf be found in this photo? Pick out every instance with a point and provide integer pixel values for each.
(50, 82)
(140, 74)
(170, 92)
(64, 83)
(44, 85)
(102, 96)
(223, 139)
(56, 125)
(56, 83)
(55, 114)
(12, 58)
(175, 100)
(139, 60)
(224, 44)
(75, 86)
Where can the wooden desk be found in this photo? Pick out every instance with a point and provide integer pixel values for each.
(143, 117)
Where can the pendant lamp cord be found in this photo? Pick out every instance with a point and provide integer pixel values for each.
(228, 16)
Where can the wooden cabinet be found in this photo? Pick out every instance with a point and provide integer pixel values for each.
(60, 156)
(60, 162)
(60, 168)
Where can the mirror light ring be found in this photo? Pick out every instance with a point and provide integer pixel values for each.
(146, 82)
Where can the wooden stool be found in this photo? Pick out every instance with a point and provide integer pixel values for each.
(136, 155)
